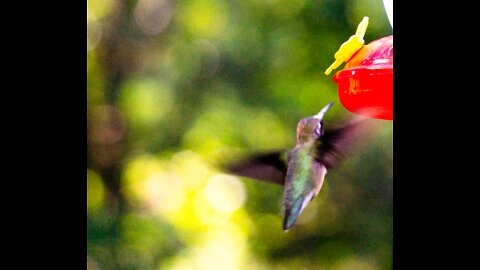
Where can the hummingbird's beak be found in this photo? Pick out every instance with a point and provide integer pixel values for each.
(323, 111)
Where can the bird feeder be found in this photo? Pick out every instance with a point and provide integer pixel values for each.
(365, 85)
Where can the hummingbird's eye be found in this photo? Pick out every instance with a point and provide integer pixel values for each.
(318, 129)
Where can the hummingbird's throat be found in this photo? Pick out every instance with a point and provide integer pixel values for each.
(306, 139)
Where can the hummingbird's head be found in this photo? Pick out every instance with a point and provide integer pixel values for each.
(311, 129)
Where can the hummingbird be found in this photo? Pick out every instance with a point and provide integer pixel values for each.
(302, 169)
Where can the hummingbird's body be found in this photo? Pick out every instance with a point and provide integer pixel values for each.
(303, 181)
(303, 169)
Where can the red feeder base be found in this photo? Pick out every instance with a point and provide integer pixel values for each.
(365, 86)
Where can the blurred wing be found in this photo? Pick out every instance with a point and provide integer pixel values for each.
(269, 167)
(337, 143)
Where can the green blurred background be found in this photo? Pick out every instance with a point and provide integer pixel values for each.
(175, 86)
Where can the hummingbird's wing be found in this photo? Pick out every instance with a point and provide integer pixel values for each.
(338, 142)
(269, 167)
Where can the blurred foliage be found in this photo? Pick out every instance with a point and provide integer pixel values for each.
(174, 86)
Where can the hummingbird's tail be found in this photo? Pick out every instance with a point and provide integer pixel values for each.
(292, 212)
